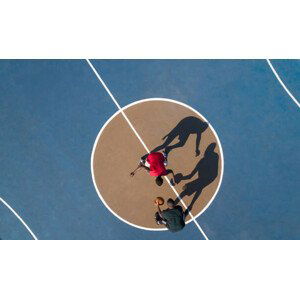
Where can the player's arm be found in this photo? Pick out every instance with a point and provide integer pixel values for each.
(159, 211)
(140, 166)
(142, 163)
(145, 167)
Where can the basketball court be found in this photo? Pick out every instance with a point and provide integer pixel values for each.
(73, 130)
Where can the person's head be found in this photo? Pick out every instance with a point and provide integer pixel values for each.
(210, 149)
(159, 181)
(171, 203)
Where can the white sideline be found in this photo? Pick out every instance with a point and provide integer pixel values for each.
(282, 84)
(138, 136)
(21, 220)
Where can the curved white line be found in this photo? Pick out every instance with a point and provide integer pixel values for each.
(175, 102)
(120, 109)
(282, 84)
(21, 220)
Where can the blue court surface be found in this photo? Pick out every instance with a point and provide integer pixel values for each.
(52, 110)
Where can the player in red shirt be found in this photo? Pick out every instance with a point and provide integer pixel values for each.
(155, 163)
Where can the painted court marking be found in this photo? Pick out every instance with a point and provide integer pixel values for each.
(131, 126)
(282, 84)
(94, 180)
(146, 148)
(20, 219)
(111, 119)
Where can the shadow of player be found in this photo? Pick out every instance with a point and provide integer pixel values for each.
(207, 169)
(187, 126)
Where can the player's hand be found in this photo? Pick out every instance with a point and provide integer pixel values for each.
(131, 174)
(156, 203)
(178, 177)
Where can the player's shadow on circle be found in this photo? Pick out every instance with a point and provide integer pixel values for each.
(207, 171)
(187, 126)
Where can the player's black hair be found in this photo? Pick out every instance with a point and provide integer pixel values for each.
(171, 203)
(159, 180)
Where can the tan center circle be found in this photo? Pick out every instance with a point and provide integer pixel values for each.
(117, 151)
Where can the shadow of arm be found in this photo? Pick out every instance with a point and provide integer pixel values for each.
(197, 151)
(189, 176)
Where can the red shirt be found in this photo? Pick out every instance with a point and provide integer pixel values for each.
(156, 161)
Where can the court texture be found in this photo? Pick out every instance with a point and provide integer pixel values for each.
(73, 130)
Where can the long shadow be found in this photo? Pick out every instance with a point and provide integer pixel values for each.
(187, 126)
(207, 170)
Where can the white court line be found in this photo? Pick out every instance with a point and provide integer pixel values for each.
(125, 109)
(282, 84)
(117, 104)
(21, 220)
(138, 136)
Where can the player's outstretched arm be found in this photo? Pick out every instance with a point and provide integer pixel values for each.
(159, 210)
(140, 166)
(147, 168)
(133, 172)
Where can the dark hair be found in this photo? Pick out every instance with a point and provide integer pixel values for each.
(171, 203)
(159, 181)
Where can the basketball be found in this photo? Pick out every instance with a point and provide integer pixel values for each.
(159, 200)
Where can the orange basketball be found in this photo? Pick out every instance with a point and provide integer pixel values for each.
(159, 200)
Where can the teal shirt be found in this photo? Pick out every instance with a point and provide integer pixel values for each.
(174, 218)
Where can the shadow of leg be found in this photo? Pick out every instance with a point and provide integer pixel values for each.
(186, 213)
(196, 196)
(181, 195)
(181, 143)
(164, 145)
